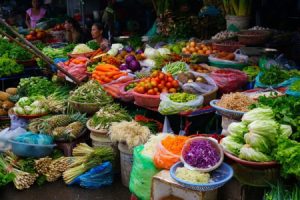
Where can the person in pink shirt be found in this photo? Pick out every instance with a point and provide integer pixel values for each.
(34, 14)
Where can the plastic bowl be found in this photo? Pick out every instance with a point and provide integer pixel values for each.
(231, 114)
(31, 150)
(89, 108)
(214, 144)
(219, 177)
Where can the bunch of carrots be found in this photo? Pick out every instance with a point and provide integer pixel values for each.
(106, 73)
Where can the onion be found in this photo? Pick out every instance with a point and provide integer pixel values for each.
(129, 49)
(134, 65)
(129, 58)
(124, 66)
(140, 51)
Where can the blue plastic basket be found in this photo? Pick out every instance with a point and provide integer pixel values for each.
(219, 177)
(232, 114)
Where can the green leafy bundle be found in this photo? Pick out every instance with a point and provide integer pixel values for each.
(36, 86)
(274, 75)
(9, 67)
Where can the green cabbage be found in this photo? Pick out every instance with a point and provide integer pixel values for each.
(266, 128)
(231, 145)
(24, 101)
(285, 130)
(258, 142)
(250, 154)
(237, 130)
(258, 114)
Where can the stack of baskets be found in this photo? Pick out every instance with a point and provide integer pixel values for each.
(99, 138)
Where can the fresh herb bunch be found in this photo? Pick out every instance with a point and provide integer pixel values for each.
(284, 192)
(18, 53)
(274, 75)
(36, 86)
(5, 177)
(295, 86)
(108, 114)
(93, 44)
(286, 109)
(9, 67)
(91, 92)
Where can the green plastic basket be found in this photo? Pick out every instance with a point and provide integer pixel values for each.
(238, 66)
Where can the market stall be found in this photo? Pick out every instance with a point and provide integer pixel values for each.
(149, 111)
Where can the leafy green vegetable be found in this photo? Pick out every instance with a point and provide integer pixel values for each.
(93, 44)
(283, 192)
(19, 53)
(26, 165)
(287, 154)
(9, 67)
(286, 111)
(274, 75)
(230, 144)
(237, 130)
(258, 142)
(295, 86)
(248, 153)
(52, 53)
(258, 114)
(36, 86)
(265, 128)
(182, 97)
(252, 72)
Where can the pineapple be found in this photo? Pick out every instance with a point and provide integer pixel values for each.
(34, 125)
(55, 121)
(74, 129)
(59, 131)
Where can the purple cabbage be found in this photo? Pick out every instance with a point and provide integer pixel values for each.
(124, 66)
(129, 58)
(201, 154)
(129, 49)
(134, 65)
(140, 51)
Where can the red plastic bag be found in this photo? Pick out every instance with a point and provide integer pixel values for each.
(229, 80)
(76, 67)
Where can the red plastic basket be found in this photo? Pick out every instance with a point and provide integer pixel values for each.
(227, 46)
(127, 96)
(146, 100)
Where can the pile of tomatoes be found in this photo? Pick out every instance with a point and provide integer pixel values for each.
(157, 83)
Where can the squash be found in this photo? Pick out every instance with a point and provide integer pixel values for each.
(12, 91)
(7, 105)
(4, 96)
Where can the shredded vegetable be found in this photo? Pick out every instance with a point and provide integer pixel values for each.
(174, 143)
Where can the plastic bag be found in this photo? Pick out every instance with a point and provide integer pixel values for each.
(32, 138)
(292, 92)
(225, 123)
(164, 159)
(169, 107)
(143, 169)
(7, 134)
(96, 177)
(229, 80)
(283, 84)
(200, 88)
(16, 122)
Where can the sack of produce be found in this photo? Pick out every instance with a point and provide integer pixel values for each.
(168, 151)
(196, 83)
(229, 80)
(140, 182)
(294, 88)
(97, 177)
(178, 102)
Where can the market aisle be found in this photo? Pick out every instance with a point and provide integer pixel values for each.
(58, 190)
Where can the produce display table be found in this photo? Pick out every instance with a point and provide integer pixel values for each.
(163, 185)
(28, 71)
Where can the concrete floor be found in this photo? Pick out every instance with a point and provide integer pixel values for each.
(59, 191)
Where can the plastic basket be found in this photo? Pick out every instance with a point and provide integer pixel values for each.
(227, 46)
(239, 63)
(146, 100)
(253, 37)
(127, 96)
(231, 114)
(219, 177)
(126, 159)
(102, 132)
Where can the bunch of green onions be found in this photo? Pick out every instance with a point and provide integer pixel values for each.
(237, 7)
(85, 158)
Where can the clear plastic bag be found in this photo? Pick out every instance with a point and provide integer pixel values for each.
(229, 80)
(164, 159)
(200, 88)
(140, 182)
(16, 122)
(7, 134)
(96, 177)
(169, 107)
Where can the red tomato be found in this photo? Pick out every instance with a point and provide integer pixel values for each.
(156, 90)
(160, 86)
(141, 90)
(151, 92)
(163, 82)
(165, 90)
(169, 85)
(172, 90)
(154, 83)
(170, 79)
(161, 76)
(175, 84)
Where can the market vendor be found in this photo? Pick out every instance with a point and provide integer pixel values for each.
(34, 14)
(74, 33)
(97, 31)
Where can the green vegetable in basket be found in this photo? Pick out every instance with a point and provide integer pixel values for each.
(274, 75)
(258, 142)
(182, 97)
(266, 128)
(252, 72)
(250, 154)
(295, 86)
(237, 130)
(176, 67)
(130, 86)
(258, 114)
(232, 145)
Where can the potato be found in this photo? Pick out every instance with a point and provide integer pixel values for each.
(12, 91)
(4, 96)
(7, 105)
